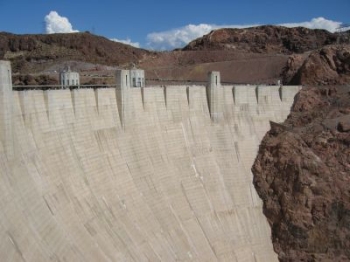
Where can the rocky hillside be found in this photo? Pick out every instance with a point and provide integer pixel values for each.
(302, 174)
(259, 55)
(312, 57)
(327, 66)
(265, 39)
(34, 53)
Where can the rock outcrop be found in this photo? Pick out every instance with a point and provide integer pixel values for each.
(328, 66)
(302, 174)
(31, 53)
(265, 39)
(292, 67)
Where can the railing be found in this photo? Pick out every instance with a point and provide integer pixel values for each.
(161, 82)
(57, 87)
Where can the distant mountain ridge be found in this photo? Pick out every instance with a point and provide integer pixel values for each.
(265, 39)
(28, 52)
(256, 55)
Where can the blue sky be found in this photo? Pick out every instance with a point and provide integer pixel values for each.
(164, 24)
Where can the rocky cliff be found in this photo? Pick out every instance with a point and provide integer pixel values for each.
(327, 66)
(315, 57)
(265, 39)
(33, 53)
(302, 173)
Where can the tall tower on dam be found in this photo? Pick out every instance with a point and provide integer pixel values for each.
(122, 93)
(134, 174)
(6, 102)
(214, 99)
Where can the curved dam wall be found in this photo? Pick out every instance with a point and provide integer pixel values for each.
(130, 174)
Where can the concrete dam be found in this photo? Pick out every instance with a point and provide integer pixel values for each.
(134, 174)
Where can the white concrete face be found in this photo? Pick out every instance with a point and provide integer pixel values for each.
(172, 185)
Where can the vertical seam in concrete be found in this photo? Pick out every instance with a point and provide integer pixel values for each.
(143, 97)
(21, 96)
(280, 93)
(46, 101)
(96, 100)
(165, 97)
(188, 95)
(73, 97)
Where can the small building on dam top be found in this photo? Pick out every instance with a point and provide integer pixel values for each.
(137, 77)
(69, 78)
(131, 78)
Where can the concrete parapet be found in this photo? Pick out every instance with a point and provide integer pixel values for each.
(197, 98)
(268, 95)
(176, 103)
(244, 94)
(81, 99)
(154, 105)
(134, 109)
(60, 108)
(6, 101)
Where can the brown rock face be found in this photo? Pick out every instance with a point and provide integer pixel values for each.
(302, 174)
(292, 67)
(264, 39)
(31, 53)
(327, 66)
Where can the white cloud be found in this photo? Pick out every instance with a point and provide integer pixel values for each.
(317, 23)
(127, 42)
(179, 37)
(54, 23)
